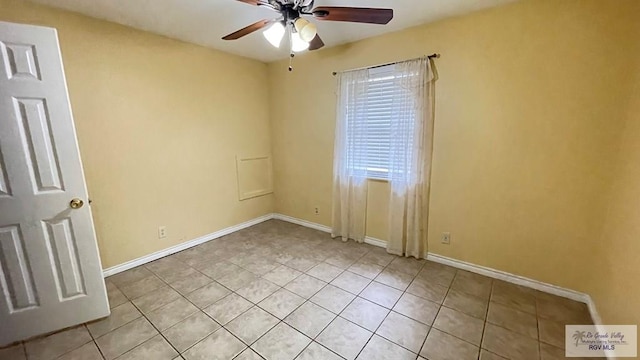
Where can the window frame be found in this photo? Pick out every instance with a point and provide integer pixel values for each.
(372, 170)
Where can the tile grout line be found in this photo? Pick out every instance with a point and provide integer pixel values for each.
(254, 304)
(159, 333)
(390, 309)
(370, 281)
(149, 320)
(24, 343)
(93, 339)
(221, 325)
(394, 305)
(184, 297)
(313, 340)
(201, 310)
(329, 283)
(282, 320)
(486, 319)
(535, 304)
(279, 320)
(438, 313)
(338, 315)
(358, 296)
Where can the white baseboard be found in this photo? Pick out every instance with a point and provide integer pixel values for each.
(597, 320)
(511, 278)
(482, 270)
(521, 280)
(183, 246)
(375, 242)
(368, 240)
(301, 222)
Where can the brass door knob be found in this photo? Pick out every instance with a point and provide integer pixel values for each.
(76, 203)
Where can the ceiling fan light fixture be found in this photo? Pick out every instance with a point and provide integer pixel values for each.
(297, 44)
(306, 29)
(274, 34)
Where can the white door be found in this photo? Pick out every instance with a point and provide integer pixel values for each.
(50, 271)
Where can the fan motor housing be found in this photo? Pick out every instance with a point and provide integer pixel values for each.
(289, 13)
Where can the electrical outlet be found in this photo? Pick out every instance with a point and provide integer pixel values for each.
(317, 210)
(162, 232)
(446, 238)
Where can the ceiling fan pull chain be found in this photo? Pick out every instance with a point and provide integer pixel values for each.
(291, 61)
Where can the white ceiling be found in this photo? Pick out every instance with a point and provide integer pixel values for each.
(205, 22)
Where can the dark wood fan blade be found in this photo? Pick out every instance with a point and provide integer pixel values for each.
(351, 14)
(253, 2)
(247, 30)
(316, 43)
(262, 3)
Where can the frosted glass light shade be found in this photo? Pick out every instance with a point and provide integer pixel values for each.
(297, 44)
(306, 29)
(274, 34)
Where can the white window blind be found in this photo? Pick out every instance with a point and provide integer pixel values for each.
(370, 112)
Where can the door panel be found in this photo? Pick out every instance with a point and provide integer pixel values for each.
(20, 60)
(16, 276)
(5, 190)
(37, 139)
(50, 271)
(63, 256)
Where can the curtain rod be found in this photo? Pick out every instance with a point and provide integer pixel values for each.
(432, 56)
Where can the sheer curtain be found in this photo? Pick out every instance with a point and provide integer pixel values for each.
(410, 157)
(384, 131)
(350, 180)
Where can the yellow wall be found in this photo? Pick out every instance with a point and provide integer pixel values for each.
(159, 124)
(616, 291)
(529, 106)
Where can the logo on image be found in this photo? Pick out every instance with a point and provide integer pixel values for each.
(601, 340)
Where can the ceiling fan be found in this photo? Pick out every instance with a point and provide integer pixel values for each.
(303, 33)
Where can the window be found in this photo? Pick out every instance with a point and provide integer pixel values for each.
(370, 105)
(384, 127)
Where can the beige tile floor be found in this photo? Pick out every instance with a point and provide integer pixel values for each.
(280, 291)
